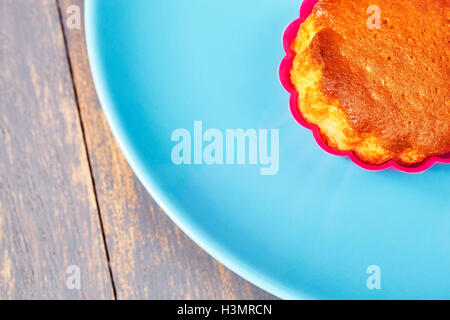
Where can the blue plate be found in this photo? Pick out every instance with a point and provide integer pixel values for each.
(321, 227)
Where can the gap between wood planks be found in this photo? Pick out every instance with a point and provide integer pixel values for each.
(61, 20)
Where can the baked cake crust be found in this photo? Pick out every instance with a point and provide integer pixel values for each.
(382, 93)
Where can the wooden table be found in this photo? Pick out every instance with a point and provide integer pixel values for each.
(67, 196)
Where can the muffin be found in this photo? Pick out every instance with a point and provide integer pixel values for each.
(377, 88)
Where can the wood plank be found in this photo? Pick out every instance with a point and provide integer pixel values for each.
(150, 257)
(48, 215)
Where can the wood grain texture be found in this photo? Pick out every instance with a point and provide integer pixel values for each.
(48, 215)
(149, 256)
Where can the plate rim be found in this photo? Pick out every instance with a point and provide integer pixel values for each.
(187, 225)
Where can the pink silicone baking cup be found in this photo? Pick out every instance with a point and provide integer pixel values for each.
(286, 65)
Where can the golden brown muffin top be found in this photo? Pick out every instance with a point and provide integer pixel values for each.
(392, 81)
